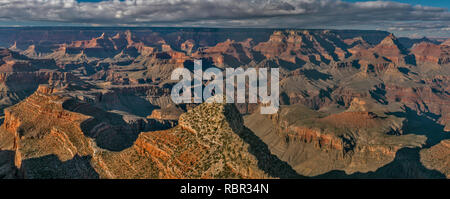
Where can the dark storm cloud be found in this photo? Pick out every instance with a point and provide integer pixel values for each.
(229, 13)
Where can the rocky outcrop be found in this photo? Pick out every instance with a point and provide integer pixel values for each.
(421, 99)
(209, 142)
(170, 112)
(230, 53)
(391, 49)
(188, 46)
(313, 144)
(44, 131)
(437, 157)
(303, 46)
(40, 127)
(432, 53)
(20, 76)
(11, 61)
(16, 86)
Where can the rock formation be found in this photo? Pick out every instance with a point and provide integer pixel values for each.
(50, 141)
(437, 157)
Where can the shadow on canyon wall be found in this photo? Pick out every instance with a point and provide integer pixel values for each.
(406, 163)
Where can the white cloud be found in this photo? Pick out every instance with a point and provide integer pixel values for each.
(234, 13)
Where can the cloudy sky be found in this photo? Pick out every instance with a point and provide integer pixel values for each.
(404, 17)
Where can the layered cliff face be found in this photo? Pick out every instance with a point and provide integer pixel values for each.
(11, 61)
(43, 133)
(391, 49)
(315, 144)
(303, 46)
(432, 53)
(209, 142)
(49, 141)
(54, 135)
(230, 53)
(20, 76)
(205, 144)
(379, 59)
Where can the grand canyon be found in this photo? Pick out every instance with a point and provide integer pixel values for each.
(95, 102)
